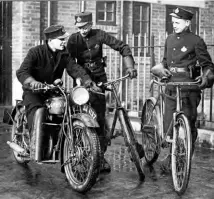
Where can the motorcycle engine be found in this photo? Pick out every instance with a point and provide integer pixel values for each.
(56, 105)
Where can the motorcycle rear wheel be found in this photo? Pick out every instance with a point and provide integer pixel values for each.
(83, 164)
(20, 135)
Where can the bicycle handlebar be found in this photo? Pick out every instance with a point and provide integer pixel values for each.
(116, 80)
(176, 83)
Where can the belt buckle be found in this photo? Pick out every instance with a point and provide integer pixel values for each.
(174, 69)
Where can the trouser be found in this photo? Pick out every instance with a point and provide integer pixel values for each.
(32, 102)
(190, 102)
(98, 103)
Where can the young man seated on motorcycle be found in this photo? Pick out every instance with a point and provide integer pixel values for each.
(45, 63)
(85, 47)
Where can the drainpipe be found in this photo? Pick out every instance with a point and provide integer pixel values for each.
(49, 13)
(82, 6)
(121, 20)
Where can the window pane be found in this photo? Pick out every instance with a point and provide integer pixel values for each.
(136, 12)
(136, 27)
(100, 5)
(101, 16)
(110, 7)
(109, 16)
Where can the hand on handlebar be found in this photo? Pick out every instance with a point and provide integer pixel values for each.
(203, 82)
(36, 85)
(132, 72)
(92, 86)
(165, 73)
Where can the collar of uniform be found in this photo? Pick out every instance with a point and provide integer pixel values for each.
(183, 32)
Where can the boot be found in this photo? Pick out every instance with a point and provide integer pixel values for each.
(140, 150)
(105, 166)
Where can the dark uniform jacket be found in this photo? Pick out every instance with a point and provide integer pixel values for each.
(88, 51)
(45, 66)
(184, 50)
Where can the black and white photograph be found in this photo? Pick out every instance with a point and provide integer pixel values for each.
(107, 99)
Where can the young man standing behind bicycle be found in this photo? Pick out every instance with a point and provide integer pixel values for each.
(183, 50)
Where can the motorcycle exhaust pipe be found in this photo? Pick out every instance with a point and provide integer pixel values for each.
(15, 147)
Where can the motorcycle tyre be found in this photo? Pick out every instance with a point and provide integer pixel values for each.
(96, 160)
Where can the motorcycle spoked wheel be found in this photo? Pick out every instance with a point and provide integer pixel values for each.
(83, 164)
(23, 138)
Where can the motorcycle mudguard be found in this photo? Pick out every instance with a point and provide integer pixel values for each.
(9, 113)
(86, 119)
(37, 133)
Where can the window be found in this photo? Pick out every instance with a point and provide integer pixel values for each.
(194, 22)
(106, 13)
(141, 26)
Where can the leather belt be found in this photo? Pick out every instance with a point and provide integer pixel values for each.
(177, 70)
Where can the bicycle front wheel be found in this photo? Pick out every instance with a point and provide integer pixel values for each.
(181, 154)
(150, 128)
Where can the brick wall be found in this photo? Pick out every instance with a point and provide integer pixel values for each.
(31, 17)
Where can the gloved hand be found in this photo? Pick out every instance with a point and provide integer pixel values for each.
(92, 85)
(129, 65)
(165, 73)
(206, 79)
(95, 88)
(203, 80)
(160, 71)
(132, 72)
(36, 85)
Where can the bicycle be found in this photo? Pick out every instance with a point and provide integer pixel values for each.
(154, 137)
(126, 127)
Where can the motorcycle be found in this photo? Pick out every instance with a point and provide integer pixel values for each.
(64, 131)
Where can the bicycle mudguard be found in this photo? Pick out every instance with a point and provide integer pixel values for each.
(86, 119)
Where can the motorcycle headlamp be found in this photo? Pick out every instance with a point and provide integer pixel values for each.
(80, 95)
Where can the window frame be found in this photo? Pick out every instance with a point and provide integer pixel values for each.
(105, 22)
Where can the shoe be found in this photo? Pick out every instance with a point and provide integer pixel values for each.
(105, 166)
(165, 165)
(140, 150)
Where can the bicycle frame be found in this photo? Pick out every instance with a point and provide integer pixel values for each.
(119, 113)
(178, 99)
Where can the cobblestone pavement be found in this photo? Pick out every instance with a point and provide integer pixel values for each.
(47, 182)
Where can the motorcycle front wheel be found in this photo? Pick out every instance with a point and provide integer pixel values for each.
(82, 163)
(20, 136)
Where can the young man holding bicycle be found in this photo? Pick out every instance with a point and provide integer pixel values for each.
(85, 48)
(183, 51)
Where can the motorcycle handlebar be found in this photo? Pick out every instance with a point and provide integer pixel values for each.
(46, 88)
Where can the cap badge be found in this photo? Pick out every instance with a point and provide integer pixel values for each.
(63, 30)
(96, 46)
(183, 49)
(176, 10)
(78, 19)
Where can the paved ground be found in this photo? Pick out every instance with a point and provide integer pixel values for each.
(47, 182)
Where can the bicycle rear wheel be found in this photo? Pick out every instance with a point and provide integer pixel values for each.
(150, 128)
(181, 154)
